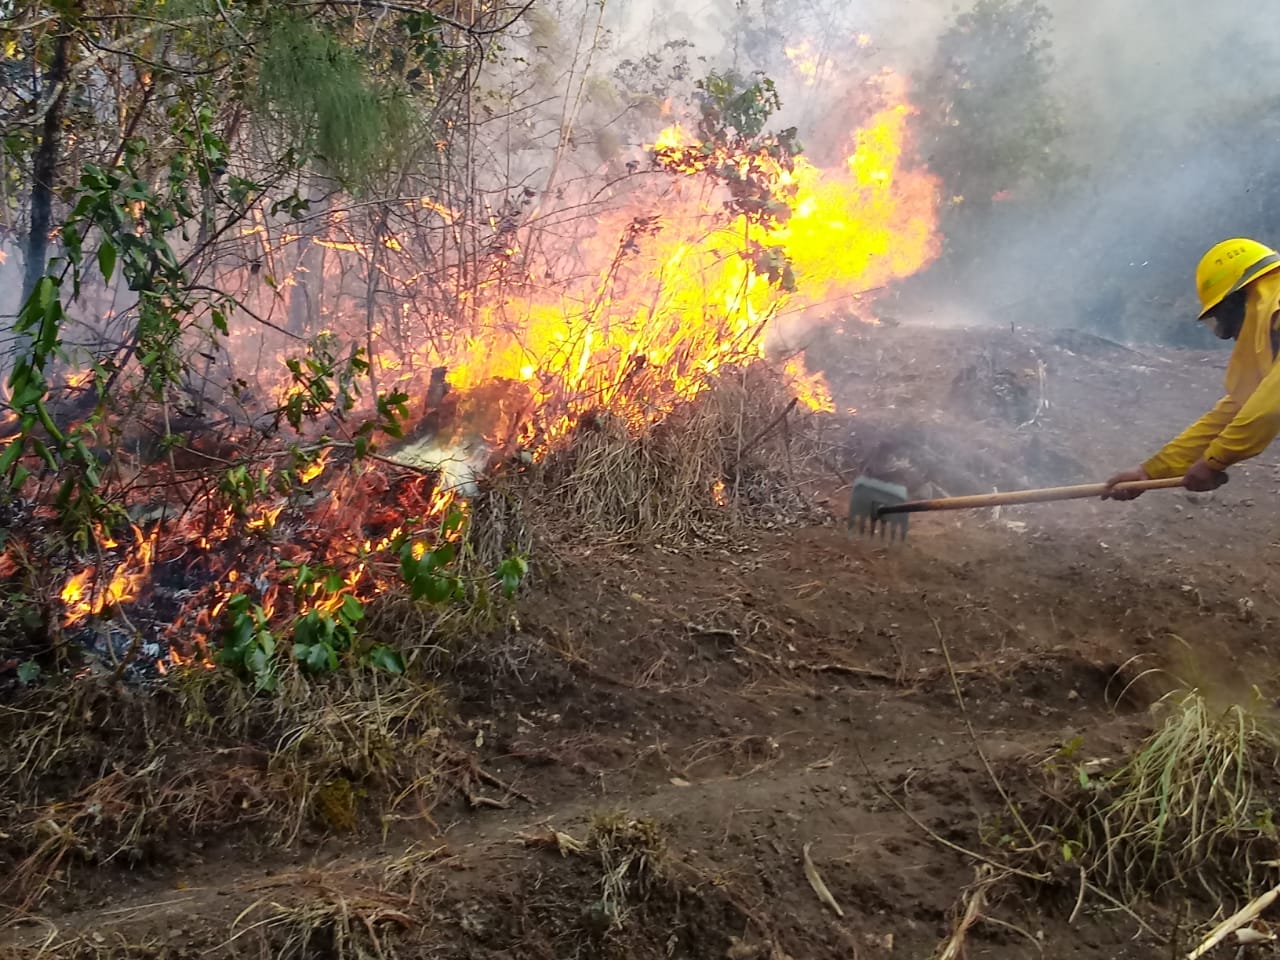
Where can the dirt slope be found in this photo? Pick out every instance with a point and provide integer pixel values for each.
(791, 692)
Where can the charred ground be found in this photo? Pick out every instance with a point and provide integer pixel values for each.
(639, 757)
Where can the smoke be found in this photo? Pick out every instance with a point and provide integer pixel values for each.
(1169, 121)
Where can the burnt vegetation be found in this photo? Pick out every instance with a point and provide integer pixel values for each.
(413, 418)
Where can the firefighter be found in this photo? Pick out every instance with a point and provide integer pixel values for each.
(1238, 282)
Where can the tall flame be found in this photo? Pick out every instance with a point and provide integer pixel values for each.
(669, 288)
(684, 292)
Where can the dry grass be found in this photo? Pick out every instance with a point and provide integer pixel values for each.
(91, 946)
(632, 857)
(104, 774)
(354, 911)
(1192, 807)
(732, 455)
(631, 853)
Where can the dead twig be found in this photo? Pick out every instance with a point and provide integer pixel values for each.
(819, 886)
(940, 840)
(1236, 921)
(973, 736)
(974, 900)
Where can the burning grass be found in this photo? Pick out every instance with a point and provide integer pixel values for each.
(1191, 809)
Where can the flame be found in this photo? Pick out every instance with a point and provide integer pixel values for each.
(314, 468)
(671, 291)
(876, 223)
(266, 519)
(672, 136)
(679, 294)
(805, 60)
(440, 210)
(82, 597)
(718, 493)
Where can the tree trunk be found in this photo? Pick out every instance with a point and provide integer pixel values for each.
(305, 296)
(44, 171)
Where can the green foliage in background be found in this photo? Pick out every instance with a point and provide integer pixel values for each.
(989, 122)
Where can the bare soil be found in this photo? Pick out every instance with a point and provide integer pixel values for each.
(737, 703)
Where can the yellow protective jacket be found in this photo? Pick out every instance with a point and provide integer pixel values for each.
(1244, 422)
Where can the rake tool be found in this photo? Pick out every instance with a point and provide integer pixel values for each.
(876, 504)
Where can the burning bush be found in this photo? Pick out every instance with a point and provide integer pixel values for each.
(313, 404)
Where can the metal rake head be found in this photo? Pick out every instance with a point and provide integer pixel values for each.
(865, 505)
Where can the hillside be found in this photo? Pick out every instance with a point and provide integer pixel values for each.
(637, 763)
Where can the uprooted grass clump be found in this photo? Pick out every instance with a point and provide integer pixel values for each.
(630, 855)
(1191, 809)
(99, 773)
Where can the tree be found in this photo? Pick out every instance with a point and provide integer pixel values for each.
(989, 123)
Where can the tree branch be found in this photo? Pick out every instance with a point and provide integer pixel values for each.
(404, 8)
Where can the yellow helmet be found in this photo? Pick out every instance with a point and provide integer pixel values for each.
(1230, 266)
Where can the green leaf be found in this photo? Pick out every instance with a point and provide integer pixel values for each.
(30, 392)
(29, 672)
(352, 609)
(384, 658)
(452, 522)
(322, 658)
(12, 451)
(408, 564)
(44, 293)
(107, 259)
(439, 589)
(305, 631)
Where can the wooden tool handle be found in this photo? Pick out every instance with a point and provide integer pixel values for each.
(1026, 496)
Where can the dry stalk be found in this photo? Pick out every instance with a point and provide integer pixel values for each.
(202, 756)
(680, 477)
(973, 737)
(1241, 918)
(818, 884)
(1037, 877)
(974, 901)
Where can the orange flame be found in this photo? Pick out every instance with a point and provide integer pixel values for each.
(685, 293)
(82, 596)
(314, 468)
(673, 290)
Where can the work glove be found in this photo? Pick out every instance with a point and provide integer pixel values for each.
(1125, 476)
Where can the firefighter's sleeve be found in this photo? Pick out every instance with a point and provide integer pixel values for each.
(1252, 429)
(1180, 453)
